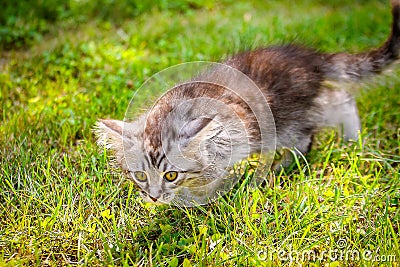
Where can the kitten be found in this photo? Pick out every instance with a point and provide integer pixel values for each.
(180, 151)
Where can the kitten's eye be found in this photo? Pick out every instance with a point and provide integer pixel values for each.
(170, 176)
(140, 176)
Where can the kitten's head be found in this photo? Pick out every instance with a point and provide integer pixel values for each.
(179, 158)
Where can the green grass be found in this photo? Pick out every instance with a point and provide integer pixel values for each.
(62, 203)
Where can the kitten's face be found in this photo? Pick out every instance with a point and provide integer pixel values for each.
(188, 167)
(160, 178)
(183, 170)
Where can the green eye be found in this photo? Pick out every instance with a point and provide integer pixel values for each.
(170, 176)
(140, 176)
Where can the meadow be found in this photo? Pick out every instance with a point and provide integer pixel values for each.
(65, 64)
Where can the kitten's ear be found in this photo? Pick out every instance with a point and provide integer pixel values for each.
(109, 133)
(192, 128)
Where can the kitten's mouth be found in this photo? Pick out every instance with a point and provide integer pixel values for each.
(160, 200)
(156, 201)
(147, 196)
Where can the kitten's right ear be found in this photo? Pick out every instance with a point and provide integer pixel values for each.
(192, 128)
(109, 134)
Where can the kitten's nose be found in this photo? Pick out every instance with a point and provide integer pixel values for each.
(154, 193)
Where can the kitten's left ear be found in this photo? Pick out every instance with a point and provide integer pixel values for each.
(109, 133)
(193, 127)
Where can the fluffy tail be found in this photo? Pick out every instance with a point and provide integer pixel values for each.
(353, 67)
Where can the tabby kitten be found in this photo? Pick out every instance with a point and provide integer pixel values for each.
(180, 150)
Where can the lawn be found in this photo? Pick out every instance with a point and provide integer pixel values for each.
(66, 64)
